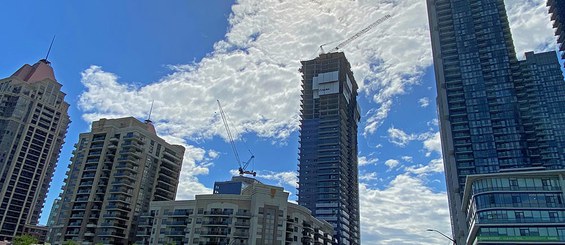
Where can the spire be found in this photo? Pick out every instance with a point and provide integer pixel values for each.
(148, 121)
(49, 51)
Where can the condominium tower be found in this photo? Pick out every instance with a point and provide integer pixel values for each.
(33, 124)
(495, 112)
(328, 171)
(116, 170)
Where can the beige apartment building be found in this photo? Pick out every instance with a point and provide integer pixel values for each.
(116, 170)
(242, 211)
(33, 124)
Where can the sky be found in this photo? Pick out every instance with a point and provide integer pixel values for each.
(115, 57)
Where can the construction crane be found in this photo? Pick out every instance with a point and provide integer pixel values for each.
(357, 35)
(242, 165)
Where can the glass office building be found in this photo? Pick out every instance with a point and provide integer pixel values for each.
(328, 171)
(516, 207)
(495, 112)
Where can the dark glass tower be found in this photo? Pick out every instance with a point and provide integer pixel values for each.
(33, 124)
(491, 106)
(328, 183)
(557, 11)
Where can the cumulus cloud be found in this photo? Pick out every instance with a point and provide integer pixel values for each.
(434, 166)
(288, 178)
(530, 26)
(400, 213)
(433, 144)
(363, 161)
(424, 102)
(391, 163)
(368, 176)
(195, 162)
(401, 138)
(407, 158)
(256, 64)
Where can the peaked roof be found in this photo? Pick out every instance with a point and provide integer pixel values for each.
(38, 72)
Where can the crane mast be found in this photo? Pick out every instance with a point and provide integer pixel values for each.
(242, 166)
(358, 34)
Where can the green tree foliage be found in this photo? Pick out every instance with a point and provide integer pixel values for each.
(25, 240)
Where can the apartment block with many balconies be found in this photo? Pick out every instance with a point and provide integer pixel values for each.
(256, 214)
(116, 170)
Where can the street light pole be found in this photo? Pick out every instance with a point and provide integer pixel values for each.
(451, 239)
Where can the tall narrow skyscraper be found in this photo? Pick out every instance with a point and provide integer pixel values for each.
(33, 124)
(328, 172)
(493, 109)
(117, 169)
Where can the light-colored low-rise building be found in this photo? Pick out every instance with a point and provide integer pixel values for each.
(258, 214)
(518, 207)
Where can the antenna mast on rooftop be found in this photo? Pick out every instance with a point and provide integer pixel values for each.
(49, 50)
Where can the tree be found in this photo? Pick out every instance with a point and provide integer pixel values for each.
(70, 242)
(25, 240)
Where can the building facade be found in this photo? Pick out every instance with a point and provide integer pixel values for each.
(257, 214)
(516, 208)
(328, 171)
(557, 11)
(116, 170)
(33, 124)
(494, 111)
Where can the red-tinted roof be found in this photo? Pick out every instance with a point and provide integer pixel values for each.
(38, 72)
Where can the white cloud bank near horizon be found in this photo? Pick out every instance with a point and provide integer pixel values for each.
(256, 65)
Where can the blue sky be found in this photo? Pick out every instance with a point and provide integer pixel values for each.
(114, 57)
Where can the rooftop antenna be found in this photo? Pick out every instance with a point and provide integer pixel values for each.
(49, 50)
(150, 110)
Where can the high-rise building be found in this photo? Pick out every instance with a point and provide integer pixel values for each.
(116, 170)
(33, 124)
(251, 214)
(328, 171)
(494, 111)
(557, 11)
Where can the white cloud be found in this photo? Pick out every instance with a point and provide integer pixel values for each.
(368, 176)
(434, 166)
(256, 65)
(407, 158)
(194, 163)
(289, 178)
(401, 138)
(424, 102)
(530, 26)
(401, 213)
(363, 161)
(433, 144)
(391, 163)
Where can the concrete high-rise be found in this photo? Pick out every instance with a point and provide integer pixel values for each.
(116, 170)
(494, 110)
(328, 171)
(33, 124)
